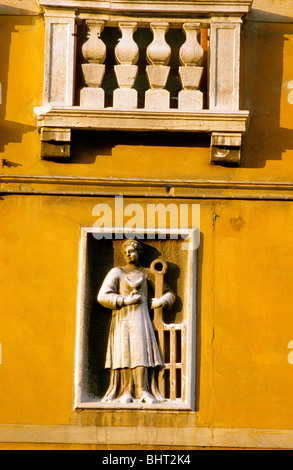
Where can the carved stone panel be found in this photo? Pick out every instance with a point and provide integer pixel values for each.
(136, 323)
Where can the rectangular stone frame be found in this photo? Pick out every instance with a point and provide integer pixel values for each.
(81, 398)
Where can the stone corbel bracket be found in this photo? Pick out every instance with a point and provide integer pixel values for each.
(223, 120)
(225, 148)
(56, 143)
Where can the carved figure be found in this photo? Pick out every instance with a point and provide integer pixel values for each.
(133, 354)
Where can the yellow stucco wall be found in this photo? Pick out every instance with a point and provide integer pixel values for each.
(244, 380)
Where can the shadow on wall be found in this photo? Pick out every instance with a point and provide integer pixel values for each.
(263, 73)
(86, 146)
(11, 131)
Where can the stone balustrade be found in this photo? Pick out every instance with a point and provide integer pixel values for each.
(143, 66)
(156, 67)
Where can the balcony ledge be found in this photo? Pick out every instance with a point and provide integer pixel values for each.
(142, 120)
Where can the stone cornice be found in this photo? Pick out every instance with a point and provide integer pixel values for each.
(186, 7)
(47, 185)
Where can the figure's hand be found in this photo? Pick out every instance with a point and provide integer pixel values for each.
(132, 299)
(157, 303)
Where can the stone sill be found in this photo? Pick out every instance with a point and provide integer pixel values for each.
(141, 120)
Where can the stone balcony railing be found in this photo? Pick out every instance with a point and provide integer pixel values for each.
(139, 66)
(156, 68)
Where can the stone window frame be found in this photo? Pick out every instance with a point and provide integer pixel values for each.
(82, 400)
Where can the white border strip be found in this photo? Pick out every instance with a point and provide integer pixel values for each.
(149, 436)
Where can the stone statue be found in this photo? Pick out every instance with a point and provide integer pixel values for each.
(133, 354)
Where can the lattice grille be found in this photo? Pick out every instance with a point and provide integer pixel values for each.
(172, 379)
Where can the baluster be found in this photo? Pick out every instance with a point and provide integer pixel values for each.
(126, 53)
(190, 71)
(94, 51)
(158, 56)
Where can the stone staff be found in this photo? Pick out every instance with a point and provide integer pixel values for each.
(159, 268)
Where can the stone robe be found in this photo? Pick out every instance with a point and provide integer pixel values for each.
(131, 341)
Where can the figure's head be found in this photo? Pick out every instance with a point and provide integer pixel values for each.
(132, 250)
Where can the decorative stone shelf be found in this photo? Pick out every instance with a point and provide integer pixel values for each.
(76, 117)
(211, 48)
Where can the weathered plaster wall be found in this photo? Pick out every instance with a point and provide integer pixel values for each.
(245, 264)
